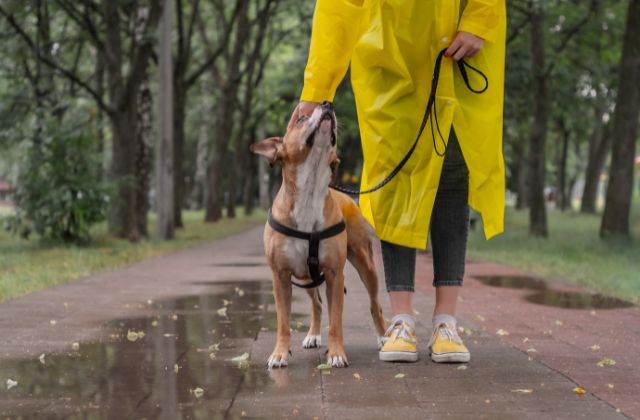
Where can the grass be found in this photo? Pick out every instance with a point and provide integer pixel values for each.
(30, 265)
(573, 252)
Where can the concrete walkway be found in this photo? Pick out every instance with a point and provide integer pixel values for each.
(187, 336)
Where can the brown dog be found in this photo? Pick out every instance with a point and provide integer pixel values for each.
(308, 157)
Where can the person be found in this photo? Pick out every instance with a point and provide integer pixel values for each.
(392, 47)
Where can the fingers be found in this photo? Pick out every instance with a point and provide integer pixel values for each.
(464, 45)
(294, 117)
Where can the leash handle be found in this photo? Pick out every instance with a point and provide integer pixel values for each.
(430, 115)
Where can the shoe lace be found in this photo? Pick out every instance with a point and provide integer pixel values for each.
(446, 333)
(402, 331)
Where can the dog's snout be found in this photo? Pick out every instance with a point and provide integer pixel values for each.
(327, 105)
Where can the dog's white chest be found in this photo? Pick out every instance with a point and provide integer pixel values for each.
(296, 252)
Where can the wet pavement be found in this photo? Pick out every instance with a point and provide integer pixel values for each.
(187, 336)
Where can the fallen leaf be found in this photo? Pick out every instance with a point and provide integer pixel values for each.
(198, 392)
(524, 340)
(487, 401)
(214, 347)
(323, 366)
(462, 367)
(578, 390)
(502, 332)
(11, 383)
(595, 347)
(239, 291)
(154, 323)
(242, 359)
(212, 356)
(593, 313)
(261, 307)
(75, 346)
(481, 318)
(547, 332)
(176, 368)
(326, 372)
(606, 362)
(357, 376)
(53, 322)
(174, 317)
(222, 311)
(149, 302)
(399, 376)
(559, 323)
(610, 386)
(41, 358)
(168, 335)
(132, 335)
(523, 390)
(226, 302)
(532, 350)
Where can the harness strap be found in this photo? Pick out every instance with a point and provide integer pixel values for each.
(314, 238)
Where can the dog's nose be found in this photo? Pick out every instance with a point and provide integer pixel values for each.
(327, 105)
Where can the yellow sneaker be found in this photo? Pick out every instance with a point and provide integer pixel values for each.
(400, 343)
(446, 345)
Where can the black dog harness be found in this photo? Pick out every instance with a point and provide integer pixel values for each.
(314, 238)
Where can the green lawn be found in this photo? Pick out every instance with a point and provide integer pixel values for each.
(573, 252)
(27, 266)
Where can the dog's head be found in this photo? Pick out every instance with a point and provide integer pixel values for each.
(311, 137)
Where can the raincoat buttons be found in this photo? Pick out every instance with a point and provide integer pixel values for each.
(449, 102)
(445, 39)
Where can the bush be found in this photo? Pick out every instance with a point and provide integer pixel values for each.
(59, 194)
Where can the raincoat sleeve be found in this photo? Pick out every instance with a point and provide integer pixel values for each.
(336, 27)
(482, 18)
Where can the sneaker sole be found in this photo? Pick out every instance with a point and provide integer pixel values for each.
(450, 357)
(398, 356)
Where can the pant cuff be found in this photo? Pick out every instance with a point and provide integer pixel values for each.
(447, 283)
(400, 289)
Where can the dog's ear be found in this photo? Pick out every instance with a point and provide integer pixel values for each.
(270, 148)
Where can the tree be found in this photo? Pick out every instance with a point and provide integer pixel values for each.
(615, 220)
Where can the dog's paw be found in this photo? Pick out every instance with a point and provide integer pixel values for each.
(312, 341)
(337, 359)
(277, 360)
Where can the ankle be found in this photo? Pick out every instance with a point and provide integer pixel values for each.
(408, 318)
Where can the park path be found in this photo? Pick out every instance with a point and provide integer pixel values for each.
(157, 339)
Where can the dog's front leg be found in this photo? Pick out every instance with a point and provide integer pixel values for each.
(282, 295)
(335, 298)
(313, 338)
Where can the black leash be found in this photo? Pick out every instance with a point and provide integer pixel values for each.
(430, 114)
(314, 238)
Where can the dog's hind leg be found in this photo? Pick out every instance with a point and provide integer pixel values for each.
(313, 338)
(282, 295)
(361, 257)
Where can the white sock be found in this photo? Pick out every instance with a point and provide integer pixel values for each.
(409, 319)
(444, 319)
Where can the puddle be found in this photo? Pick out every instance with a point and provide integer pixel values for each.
(120, 378)
(576, 300)
(513, 282)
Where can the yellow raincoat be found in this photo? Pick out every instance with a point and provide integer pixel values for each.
(392, 46)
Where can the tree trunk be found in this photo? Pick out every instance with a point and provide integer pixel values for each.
(226, 108)
(563, 196)
(165, 156)
(522, 200)
(599, 144)
(143, 155)
(232, 185)
(179, 116)
(615, 220)
(538, 139)
(200, 176)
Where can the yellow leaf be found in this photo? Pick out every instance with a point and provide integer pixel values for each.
(132, 335)
(523, 391)
(198, 392)
(399, 376)
(606, 362)
(502, 332)
(357, 376)
(578, 390)
(595, 347)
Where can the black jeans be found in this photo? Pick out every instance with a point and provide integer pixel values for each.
(449, 230)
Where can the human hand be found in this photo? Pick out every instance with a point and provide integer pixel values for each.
(304, 108)
(464, 44)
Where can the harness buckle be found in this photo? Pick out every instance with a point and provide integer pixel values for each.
(313, 261)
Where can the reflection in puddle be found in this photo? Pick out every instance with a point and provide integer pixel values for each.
(551, 297)
(187, 344)
(576, 300)
(239, 264)
(512, 282)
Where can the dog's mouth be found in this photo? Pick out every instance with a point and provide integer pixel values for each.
(326, 125)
